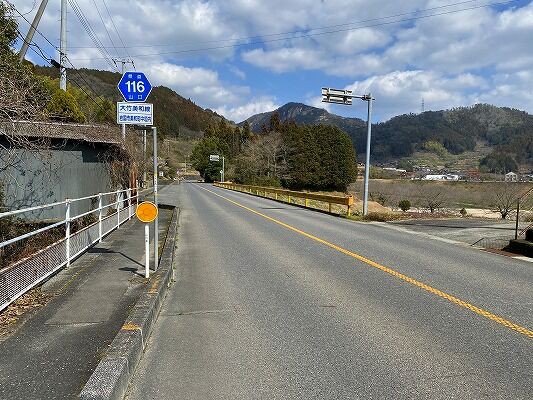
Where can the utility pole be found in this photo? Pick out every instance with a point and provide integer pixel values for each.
(31, 31)
(63, 47)
(122, 61)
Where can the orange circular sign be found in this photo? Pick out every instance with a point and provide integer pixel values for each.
(146, 211)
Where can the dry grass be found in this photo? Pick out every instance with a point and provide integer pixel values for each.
(30, 301)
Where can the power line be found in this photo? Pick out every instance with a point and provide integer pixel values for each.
(105, 27)
(314, 34)
(118, 33)
(49, 59)
(302, 31)
(90, 31)
(46, 57)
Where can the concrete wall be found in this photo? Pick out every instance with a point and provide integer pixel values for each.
(70, 170)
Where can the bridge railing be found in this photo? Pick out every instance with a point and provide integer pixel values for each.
(288, 195)
(109, 210)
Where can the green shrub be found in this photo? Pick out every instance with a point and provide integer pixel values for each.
(404, 205)
(381, 217)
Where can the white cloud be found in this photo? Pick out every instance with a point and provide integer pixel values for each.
(452, 59)
(240, 113)
(401, 92)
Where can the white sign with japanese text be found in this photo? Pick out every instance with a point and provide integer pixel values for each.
(135, 113)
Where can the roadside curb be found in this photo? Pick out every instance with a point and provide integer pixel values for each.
(110, 379)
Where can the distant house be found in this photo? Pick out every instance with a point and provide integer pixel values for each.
(511, 177)
(447, 177)
(42, 163)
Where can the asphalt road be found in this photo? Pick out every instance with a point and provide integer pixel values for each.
(277, 302)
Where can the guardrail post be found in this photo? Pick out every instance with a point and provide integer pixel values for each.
(349, 211)
(329, 208)
(67, 231)
(276, 196)
(289, 199)
(100, 212)
(306, 202)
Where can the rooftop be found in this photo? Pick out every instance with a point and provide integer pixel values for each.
(57, 130)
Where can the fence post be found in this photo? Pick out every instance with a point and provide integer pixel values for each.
(67, 231)
(517, 214)
(118, 197)
(129, 203)
(100, 211)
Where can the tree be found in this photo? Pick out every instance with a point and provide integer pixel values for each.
(63, 107)
(432, 197)
(499, 162)
(404, 205)
(263, 161)
(209, 170)
(504, 196)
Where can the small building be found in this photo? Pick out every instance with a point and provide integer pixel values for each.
(511, 177)
(42, 163)
(447, 177)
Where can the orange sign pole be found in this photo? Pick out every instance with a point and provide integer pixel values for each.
(146, 212)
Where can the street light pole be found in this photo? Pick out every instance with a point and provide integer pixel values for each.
(367, 160)
(342, 96)
(223, 180)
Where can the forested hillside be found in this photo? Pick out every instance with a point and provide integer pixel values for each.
(509, 132)
(174, 116)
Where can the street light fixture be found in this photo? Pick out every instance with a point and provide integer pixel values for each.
(342, 96)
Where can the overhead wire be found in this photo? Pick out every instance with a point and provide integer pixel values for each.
(105, 27)
(46, 57)
(118, 33)
(309, 35)
(92, 34)
(305, 31)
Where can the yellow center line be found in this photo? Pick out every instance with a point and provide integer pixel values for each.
(390, 271)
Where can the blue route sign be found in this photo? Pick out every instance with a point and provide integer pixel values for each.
(134, 86)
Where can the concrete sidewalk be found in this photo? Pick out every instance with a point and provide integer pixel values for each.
(52, 353)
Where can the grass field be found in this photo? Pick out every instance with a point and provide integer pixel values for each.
(452, 195)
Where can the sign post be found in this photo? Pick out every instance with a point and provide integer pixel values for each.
(156, 224)
(216, 158)
(147, 212)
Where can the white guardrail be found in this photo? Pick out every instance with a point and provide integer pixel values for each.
(23, 275)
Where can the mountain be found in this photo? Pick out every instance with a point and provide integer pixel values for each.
(174, 115)
(304, 114)
(508, 133)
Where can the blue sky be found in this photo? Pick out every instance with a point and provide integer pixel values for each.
(242, 57)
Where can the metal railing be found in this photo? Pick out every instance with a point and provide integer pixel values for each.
(21, 276)
(262, 191)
